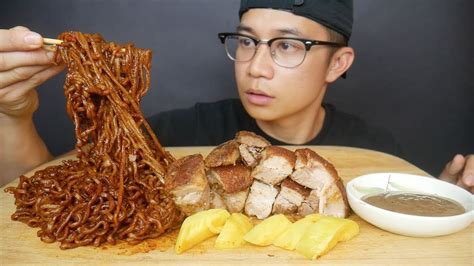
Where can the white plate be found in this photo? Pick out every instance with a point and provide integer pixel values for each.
(404, 224)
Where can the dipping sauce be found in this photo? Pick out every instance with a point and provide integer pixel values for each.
(415, 204)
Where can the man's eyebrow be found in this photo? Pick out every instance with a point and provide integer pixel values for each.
(290, 31)
(244, 28)
(283, 31)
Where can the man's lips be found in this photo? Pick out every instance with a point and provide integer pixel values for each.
(258, 97)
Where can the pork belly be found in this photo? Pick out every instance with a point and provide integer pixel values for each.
(275, 165)
(310, 204)
(225, 154)
(290, 198)
(260, 200)
(251, 139)
(313, 171)
(216, 201)
(232, 183)
(187, 183)
(250, 147)
(235, 202)
(333, 200)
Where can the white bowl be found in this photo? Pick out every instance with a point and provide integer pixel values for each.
(404, 224)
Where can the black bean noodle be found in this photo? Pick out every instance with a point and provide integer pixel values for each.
(114, 190)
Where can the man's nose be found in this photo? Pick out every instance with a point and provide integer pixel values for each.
(261, 64)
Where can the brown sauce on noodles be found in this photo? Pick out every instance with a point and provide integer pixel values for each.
(114, 190)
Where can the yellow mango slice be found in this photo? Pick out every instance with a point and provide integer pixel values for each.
(320, 237)
(199, 227)
(292, 235)
(323, 235)
(216, 219)
(232, 234)
(264, 233)
(350, 230)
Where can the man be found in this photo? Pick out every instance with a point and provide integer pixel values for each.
(286, 54)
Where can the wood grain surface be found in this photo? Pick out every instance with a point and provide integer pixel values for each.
(19, 243)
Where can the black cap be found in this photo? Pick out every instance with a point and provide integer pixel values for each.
(334, 14)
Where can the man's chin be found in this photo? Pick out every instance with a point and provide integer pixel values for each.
(262, 113)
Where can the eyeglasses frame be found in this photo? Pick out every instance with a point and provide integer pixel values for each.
(307, 43)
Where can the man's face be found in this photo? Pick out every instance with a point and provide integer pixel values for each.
(268, 91)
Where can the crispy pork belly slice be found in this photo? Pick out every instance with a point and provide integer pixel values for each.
(260, 200)
(329, 201)
(232, 183)
(251, 139)
(235, 202)
(313, 171)
(333, 200)
(250, 154)
(230, 178)
(216, 201)
(225, 154)
(310, 204)
(291, 197)
(275, 165)
(251, 145)
(186, 181)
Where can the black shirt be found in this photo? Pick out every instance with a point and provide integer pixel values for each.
(207, 124)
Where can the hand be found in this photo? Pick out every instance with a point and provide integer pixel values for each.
(460, 171)
(24, 65)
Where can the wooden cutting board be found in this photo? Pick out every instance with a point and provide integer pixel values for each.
(19, 243)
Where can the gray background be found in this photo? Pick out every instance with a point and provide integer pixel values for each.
(412, 72)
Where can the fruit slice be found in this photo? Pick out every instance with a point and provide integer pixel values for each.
(292, 235)
(323, 235)
(232, 234)
(264, 233)
(351, 229)
(199, 227)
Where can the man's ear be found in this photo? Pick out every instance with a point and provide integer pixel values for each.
(340, 62)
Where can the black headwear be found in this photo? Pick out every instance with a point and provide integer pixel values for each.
(334, 14)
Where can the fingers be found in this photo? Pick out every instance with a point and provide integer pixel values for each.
(24, 65)
(19, 39)
(460, 171)
(8, 78)
(11, 60)
(467, 177)
(20, 99)
(459, 183)
(17, 90)
(453, 169)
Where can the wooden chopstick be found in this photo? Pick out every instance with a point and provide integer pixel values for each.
(50, 44)
(49, 41)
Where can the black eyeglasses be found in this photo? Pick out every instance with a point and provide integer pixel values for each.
(285, 51)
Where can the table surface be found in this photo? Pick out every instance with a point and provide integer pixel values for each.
(19, 243)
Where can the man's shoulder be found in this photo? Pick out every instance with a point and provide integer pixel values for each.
(206, 109)
(351, 130)
(207, 123)
(225, 104)
(343, 123)
(200, 109)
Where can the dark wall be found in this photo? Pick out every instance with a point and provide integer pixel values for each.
(412, 74)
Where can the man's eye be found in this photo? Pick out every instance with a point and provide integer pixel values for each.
(289, 46)
(246, 42)
(286, 46)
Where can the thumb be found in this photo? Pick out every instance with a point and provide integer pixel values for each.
(19, 39)
(453, 169)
